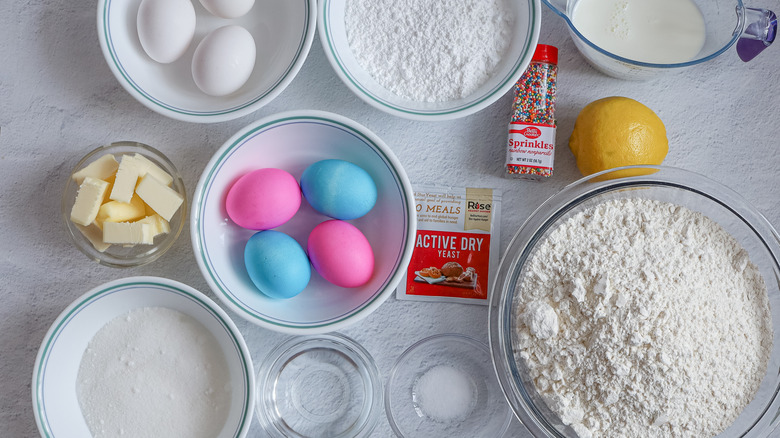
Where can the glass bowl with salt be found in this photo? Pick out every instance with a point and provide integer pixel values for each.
(444, 385)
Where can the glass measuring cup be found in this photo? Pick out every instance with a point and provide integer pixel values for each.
(726, 22)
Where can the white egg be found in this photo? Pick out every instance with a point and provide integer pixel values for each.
(165, 28)
(228, 8)
(224, 60)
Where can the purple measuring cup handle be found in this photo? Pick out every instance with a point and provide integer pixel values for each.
(759, 33)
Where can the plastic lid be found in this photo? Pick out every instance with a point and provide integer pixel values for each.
(545, 53)
(319, 386)
(445, 386)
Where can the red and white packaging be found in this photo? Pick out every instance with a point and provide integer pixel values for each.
(456, 252)
(531, 145)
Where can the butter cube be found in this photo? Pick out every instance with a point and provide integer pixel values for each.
(115, 211)
(162, 199)
(90, 196)
(127, 233)
(159, 225)
(95, 236)
(145, 166)
(102, 168)
(126, 179)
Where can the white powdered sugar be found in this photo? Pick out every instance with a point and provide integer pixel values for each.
(662, 325)
(429, 50)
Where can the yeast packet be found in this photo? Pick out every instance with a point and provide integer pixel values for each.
(456, 249)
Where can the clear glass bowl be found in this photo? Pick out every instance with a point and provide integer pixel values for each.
(118, 256)
(725, 22)
(443, 386)
(721, 204)
(319, 386)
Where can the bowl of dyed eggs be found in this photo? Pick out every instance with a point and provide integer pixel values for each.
(209, 60)
(112, 217)
(638, 40)
(124, 356)
(297, 258)
(426, 61)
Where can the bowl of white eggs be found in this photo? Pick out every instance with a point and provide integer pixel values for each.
(205, 61)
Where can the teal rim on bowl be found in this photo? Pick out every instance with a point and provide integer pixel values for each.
(169, 89)
(334, 42)
(292, 141)
(55, 406)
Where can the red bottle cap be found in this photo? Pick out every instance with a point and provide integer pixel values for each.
(545, 53)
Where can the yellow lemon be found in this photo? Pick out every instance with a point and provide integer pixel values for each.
(617, 131)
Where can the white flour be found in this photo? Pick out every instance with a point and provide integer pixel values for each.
(154, 372)
(661, 328)
(429, 50)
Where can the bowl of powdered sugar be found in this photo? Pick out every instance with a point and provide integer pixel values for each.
(428, 59)
(143, 357)
(644, 306)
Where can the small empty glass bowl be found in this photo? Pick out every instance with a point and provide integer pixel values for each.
(445, 386)
(119, 256)
(319, 386)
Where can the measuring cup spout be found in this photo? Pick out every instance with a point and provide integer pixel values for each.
(760, 31)
(559, 7)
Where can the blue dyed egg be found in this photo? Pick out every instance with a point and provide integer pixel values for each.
(339, 189)
(277, 264)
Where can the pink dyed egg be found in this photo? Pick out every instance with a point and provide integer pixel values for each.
(263, 199)
(341, 253)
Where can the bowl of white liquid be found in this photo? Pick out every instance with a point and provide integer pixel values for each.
(637, 39)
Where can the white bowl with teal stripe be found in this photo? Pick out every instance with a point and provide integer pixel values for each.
(283, 31)
(292, 141)
(333, 36)
(54, 397)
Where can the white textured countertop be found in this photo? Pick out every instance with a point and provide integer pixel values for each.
(58, 100)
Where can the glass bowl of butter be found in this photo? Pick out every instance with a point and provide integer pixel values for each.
(124, 204)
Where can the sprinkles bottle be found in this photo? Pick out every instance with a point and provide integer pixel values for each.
(531, 143)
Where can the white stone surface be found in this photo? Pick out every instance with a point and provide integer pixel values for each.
(58, 100)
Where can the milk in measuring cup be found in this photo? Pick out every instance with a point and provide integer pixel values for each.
(653, 31)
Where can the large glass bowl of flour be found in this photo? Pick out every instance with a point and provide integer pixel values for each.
(634, 350)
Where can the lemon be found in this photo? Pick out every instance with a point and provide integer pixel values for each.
(617, 131)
